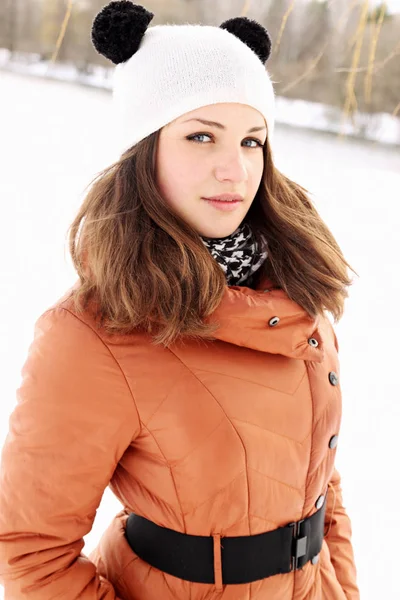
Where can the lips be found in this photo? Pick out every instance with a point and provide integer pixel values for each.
(225, 198)
(223, 205)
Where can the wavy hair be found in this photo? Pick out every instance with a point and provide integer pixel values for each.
(147, 269)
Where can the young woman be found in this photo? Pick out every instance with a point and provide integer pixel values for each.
(192, 367)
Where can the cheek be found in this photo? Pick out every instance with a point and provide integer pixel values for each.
(177, 173)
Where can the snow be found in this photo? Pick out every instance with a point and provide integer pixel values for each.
(57, 136)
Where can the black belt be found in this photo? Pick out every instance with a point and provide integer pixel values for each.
(244, 558)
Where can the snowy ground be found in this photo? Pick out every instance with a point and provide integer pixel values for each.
(55, 137)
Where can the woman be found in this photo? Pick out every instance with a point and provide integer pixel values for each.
(192, 367)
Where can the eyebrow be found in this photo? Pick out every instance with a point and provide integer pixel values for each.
(220, 126)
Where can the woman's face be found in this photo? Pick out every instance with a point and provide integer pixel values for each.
(197, 160)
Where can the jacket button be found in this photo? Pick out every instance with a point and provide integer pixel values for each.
(333, 442)
(333, 378)
(313, 342)
(274, 321)
(315, 559)
(320, 502)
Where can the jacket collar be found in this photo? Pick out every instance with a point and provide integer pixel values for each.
(244, 315)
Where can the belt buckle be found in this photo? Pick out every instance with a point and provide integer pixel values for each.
(299, 544)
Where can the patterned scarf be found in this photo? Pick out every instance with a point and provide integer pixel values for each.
(238, 254)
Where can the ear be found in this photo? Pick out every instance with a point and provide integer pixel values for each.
(118, 29)
(252, 34)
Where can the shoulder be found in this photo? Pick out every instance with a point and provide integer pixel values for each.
(62, 318)
(71, 339)
(69, 364)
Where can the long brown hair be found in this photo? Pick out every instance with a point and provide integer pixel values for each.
(147, 269)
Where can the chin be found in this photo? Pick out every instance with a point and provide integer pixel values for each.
(218, 230)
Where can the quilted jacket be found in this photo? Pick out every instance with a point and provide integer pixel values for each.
(231, 437)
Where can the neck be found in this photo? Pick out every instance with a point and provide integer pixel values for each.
(239, 254)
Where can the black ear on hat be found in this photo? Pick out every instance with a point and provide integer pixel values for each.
(119, 28)
(252, 34)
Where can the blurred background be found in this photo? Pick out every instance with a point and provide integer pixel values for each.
(336, 68)
(343, 54)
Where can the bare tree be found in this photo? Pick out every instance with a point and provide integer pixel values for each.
(315, 43)
(9, 24)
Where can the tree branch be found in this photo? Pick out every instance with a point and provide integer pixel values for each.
(62, 32)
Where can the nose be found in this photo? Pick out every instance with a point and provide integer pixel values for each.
(231, 168)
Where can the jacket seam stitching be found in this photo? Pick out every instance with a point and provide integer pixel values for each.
(121, 575)
(298, 490)
(162, 501)
(267, 387)
(266, 520)
(309, 463)
(328, 404)
(115, 360)
(234, 429)
(165, 398)
(285, 437)
(178, 462)
(171, 473)
(216, 494)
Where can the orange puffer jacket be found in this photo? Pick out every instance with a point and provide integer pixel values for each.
(232, 437)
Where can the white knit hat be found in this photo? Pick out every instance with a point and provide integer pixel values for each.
(166, 71)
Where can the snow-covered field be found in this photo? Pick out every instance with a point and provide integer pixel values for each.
(55, 137)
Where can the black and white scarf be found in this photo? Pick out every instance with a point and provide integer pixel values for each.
(238, 254)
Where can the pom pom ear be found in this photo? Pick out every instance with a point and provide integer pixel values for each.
(252, 34)
(118, 30)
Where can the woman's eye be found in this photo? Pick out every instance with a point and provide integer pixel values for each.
(257, 142)
(197, 135)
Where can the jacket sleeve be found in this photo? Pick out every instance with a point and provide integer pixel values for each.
(74, 418)
(338, 537)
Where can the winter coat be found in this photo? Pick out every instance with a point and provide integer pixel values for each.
(232, 437)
